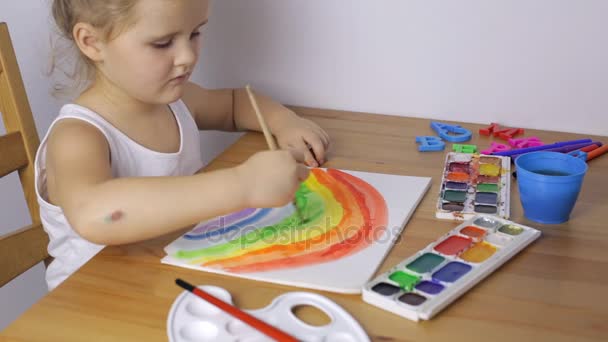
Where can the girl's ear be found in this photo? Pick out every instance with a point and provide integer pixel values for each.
(89, 41)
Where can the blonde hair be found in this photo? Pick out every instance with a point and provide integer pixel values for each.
(111, 17)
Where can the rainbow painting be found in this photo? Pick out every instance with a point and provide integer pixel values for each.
(340, 216)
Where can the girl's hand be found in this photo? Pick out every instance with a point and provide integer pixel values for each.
(303, 135)
(271, 178)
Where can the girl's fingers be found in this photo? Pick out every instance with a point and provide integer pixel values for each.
(324, 137)
(317, 146)
(308, 156)
(297, 154)
(303, 153)
(303, 172)
(321, 133)
(327, 139)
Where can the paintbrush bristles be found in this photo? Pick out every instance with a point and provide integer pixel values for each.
(269, 138)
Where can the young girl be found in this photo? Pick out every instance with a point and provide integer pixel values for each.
(119, 164)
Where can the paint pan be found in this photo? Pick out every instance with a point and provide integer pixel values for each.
(473, 232)
(452, 206)
(490, 160)
(474, 184)
(405, 280)
(487, 187)
(511, 229)
(456, 186)
(458, 177)
(485, 209)
(425, 263)
(429, 287)
(480, 252)
(453, 245)
(490, 170)
(489, 198)
(454, 196)
(462, 167)
(420, 286)
(488, 179)
(487, 222)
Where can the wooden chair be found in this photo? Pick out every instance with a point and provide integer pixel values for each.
(26, 247)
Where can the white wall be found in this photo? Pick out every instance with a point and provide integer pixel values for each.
(529, 63)
(532, 63)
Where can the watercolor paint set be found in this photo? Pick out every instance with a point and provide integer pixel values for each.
(425, 283)
(474, 184)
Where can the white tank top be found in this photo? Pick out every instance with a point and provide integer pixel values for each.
(128, 159)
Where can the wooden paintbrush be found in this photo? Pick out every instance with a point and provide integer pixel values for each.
(269, 138)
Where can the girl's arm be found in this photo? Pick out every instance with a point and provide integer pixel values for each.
(231, 110)
(109, 211)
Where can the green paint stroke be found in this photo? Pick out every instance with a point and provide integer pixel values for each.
(312, 208)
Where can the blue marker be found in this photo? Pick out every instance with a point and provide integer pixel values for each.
(541, 148)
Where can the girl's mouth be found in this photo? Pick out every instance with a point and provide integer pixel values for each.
(181, 79)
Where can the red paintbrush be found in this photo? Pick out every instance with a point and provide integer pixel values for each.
(256, 323)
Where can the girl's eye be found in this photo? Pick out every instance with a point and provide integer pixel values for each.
(167, 44)
(162, 45)
(195, 34)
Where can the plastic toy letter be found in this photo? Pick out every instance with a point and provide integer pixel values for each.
(430, 143)
(451, 133)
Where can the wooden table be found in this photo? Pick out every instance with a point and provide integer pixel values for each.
(556, 289)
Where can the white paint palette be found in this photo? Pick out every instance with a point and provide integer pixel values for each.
(428, 281)
(193, 319)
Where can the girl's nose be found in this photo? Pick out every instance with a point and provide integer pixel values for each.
(186, 55)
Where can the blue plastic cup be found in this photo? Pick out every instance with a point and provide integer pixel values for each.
(549, 184)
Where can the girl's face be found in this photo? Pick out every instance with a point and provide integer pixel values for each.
(152, 59)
